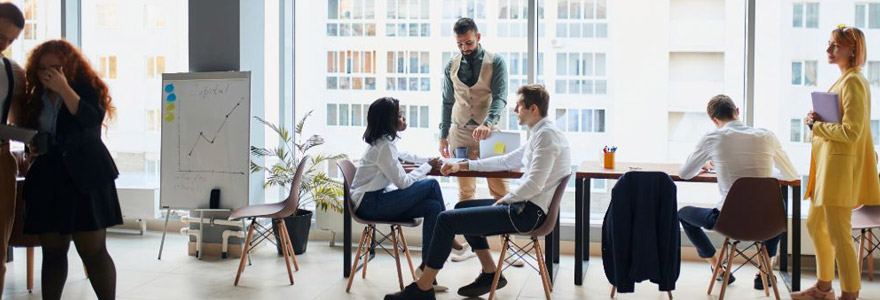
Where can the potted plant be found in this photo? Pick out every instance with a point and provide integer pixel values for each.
(316, 187)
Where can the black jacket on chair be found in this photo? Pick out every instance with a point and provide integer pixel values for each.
(640, 234)
(85, 156)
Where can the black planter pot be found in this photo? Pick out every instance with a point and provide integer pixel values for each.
(298, 227)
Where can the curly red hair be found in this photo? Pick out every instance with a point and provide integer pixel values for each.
(77, 70)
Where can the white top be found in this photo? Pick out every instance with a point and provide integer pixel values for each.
(739, 151)
(545, 159)
(380, 169)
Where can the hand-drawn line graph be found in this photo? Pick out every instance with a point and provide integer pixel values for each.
(195, 158)
(214, 138)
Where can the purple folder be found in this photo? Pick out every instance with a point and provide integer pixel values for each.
(827, 106)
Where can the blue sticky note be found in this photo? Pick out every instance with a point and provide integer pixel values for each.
(169, 88)
(172, 98)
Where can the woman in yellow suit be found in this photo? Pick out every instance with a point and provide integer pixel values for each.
(843, 170)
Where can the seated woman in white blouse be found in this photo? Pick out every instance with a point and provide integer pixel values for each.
(382, 189)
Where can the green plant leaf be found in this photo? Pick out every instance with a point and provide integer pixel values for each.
(302, 122)
(260, 152)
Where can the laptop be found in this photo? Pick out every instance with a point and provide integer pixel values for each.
(499, 143)
(23, 135)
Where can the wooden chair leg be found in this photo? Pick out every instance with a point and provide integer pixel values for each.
(284, 249)
(542, 269)
(357, 258)
(412, 271)
(762, 268)
(540, 255)
(861, 256)
(396, 255)
(499, 267)
(370, 237)
(289, 245)
(871, 256)
(30, 269)
(244, 252)
(717, 266)
(727, 270)
(770, 274)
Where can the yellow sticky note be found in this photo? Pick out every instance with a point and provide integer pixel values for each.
(499, 148)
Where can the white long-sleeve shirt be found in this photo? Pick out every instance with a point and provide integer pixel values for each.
(545, 159)
(739, 151)
(380, 168)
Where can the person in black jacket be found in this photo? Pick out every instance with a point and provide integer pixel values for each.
(69, 190)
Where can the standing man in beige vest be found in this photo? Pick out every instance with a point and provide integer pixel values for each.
(474, 97)
(12, 80)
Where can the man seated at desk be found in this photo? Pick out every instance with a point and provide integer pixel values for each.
(545, 161)
(734, 150)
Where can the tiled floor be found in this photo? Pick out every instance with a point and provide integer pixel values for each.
(178, 276)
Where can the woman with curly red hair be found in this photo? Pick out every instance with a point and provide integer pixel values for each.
(69, 190)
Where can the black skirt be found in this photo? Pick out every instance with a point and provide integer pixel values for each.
(53, 204)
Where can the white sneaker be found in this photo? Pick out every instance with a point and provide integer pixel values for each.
(462, 255)
(515, 262)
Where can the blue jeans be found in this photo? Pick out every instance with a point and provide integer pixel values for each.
(476, 219)
(694, 219)
(422, 199)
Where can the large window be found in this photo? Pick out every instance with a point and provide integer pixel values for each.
(131, 43)
(406, 60)
(641, 85)
(791, 63)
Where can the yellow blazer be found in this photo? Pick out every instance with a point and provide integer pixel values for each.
(843, 166)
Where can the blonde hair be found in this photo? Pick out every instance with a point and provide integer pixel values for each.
(852, 37)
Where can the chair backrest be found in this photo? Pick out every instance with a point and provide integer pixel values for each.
(292, 202)
(348, 169)
(866, 216)
(553, 213)
(753, 211)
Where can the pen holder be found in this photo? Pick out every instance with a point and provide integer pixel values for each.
(608, 159)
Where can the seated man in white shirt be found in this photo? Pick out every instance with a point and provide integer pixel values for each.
(544, 159)
(734, 151)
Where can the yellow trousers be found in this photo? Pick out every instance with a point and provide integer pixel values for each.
(462, 136)
(831, 229)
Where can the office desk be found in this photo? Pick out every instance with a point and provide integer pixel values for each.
(551, 242)
(594, 170)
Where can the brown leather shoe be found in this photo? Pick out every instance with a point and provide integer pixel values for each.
(848, 296)
(813, 293)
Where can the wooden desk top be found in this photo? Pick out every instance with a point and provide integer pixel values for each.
(501, 174)
(592, 169)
